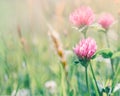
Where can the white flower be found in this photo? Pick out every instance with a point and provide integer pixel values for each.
(51, 86)
(21, 92)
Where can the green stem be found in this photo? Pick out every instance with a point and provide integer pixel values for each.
(108, 43)
(118, 28)
(84, 33)
(18, 85)
(111, 61)
(95, 79)
(115, 78)
(86, 75)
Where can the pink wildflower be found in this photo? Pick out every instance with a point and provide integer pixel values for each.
(106, 20)
(82, 16)
(86, 48)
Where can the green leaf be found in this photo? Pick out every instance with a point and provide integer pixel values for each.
(105, 53)
(115, 55)
(76, 62)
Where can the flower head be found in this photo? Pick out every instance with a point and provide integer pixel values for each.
(106, 20)
(86, 48)
(82, 16)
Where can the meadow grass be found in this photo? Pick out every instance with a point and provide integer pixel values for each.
(29, 61)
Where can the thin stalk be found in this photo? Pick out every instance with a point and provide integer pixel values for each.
(114, 78)
(18, 85)
(26, 66)
(108, 43)
(118, 27)
(113, 72)
(63, 85)
(5, 52)
(111, 61)
(84, 33)
(95, 79)
(86, 75)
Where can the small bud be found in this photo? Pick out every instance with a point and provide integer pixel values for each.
(106, 20)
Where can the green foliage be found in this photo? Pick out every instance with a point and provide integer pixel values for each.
(105, 53)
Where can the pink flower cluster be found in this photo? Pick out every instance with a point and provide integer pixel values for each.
(106, 20)
(82, 16)
(86, 48)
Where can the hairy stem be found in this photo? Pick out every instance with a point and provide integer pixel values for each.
(86, 75)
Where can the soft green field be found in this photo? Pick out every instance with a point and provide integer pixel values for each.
(32, 64)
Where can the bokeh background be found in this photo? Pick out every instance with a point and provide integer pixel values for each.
(27, 55)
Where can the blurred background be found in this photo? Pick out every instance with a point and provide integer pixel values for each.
(27, 55)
